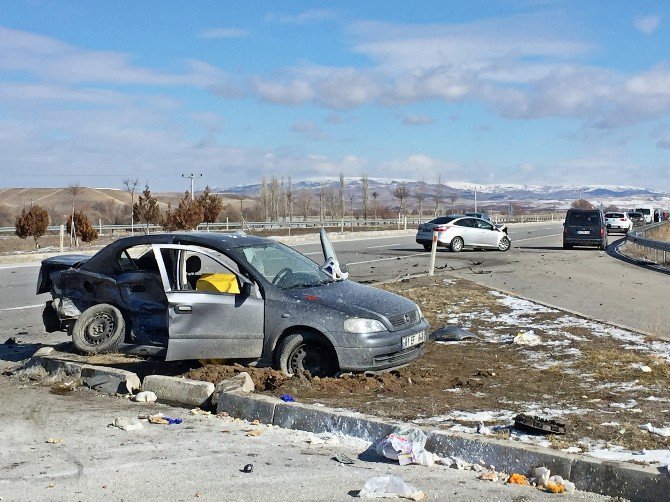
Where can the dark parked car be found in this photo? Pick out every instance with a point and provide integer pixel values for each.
(584, 227)
(636, 218)
(218, 296)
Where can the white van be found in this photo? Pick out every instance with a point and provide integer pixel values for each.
(647, 211)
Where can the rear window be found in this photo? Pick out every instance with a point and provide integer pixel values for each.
(643, 211)
(442, 219)
(614, 215)
(591, 218)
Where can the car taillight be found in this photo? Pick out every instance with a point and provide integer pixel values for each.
(622, 219)
(602, 231)
(441, 228)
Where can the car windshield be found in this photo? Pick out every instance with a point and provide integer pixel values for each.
(583, 218)
(283, 266)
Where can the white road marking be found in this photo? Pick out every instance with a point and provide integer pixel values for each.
(20, 265)
(24, 307)
(386, 259)
(540, 237)
(313, 252)
(382, 246)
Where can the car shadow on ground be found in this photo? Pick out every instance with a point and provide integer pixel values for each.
(16, 352)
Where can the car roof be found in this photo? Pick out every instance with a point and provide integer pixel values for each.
(104, 260)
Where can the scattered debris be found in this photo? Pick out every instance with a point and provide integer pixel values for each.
(253, 432)
(126, 424)
(518, 479)
(287, 398)
(249, 468)
(406, 445)
(200, 411)
(541, 476)
(390, 486)
(159, 419)
(146, 396)
(489, 476)
(55, 440)
(557, 484)
(660, 431)
(538, 425)
(527, 338)
(482, 429)
(343, 459)
(241, 383)
(452, 334)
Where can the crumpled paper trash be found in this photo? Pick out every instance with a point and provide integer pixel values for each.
(407, 446)
(146, 396)
(527, 338)
(390, 486)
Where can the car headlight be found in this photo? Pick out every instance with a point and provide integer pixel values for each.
(357, 325)
(418, 311)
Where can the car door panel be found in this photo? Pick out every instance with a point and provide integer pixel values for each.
(211, 325)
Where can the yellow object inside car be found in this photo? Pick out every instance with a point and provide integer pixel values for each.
(218, 283)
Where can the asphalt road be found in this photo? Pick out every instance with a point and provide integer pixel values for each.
(585, 280)
(201, 459)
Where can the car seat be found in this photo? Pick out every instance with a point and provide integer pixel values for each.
(193, 265)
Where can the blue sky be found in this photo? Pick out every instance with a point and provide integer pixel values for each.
(527, 91)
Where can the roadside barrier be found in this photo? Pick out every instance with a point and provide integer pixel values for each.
(639, 240)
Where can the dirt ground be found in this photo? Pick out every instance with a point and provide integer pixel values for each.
(603, 382)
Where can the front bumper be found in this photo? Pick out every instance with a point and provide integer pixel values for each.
(380, 351)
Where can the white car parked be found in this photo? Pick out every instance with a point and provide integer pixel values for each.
(458, 231)
(618, 222)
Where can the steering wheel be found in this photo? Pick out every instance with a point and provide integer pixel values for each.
(281, 275)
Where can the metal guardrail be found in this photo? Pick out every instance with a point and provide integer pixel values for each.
(639, 239)
(270, 225)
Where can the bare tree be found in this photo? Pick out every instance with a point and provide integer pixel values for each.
(264, 199)
(130, 187)
(401, 192)
(375, 195)
(453, 197)
(321, 195)
(365, 186)
(438, 195)
(305, 202)
(289, 199)
(352, 198)
(420, 196)
(74, 190)
(341, 194)
(330, 200)
(274, 197)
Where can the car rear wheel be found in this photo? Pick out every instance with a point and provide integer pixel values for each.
(567, 246)
(307, 352)
(456, 244)
(99, 329)
(603, 245)
(504, 244)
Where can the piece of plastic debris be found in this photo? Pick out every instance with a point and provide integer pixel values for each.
(557, 484)
(541, 476)
(659, 431)
(451, 334)
(199, 411)
(343, 459)
(253, 432)
(287, 398)
(482, 429)
(127, 424)
(406, 445)
(390, 486)
(527, 338)
(146, 396)
(489, 476)
(55, 440)
(249, 468)
(554, 487)
(538, 425)
(159, 419)
(645, 369)
(518, 479)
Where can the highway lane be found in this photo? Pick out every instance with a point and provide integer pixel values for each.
(584, 280)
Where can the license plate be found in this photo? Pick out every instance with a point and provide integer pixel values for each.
(411, 340)
(583, 232)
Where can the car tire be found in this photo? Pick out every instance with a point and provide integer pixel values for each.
(427, 247)
(567, 246)
(99, 329)
(306, 352)
(504, 244)
(603, 245)
(456, 244)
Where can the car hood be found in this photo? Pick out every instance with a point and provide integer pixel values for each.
(354, 299)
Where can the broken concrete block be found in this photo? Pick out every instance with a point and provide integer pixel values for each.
(179, 390)
(241, 382)
(43, 352)
(110, 380)
(248, 407)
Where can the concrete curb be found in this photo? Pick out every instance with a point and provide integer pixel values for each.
(180, 391)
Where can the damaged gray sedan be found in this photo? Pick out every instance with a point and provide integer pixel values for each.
(229, 296)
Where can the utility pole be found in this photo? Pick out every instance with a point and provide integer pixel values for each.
(191, 177)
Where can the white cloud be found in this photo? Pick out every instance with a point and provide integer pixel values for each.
(309, 16)
(215, 33)
(309, 130)
(417, 120)
(647, 24)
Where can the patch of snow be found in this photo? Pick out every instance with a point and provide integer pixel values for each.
(661, 457)
(659, 431)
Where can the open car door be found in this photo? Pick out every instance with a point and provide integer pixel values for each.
(214, 312)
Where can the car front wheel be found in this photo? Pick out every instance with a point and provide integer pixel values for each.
(456, 244)
(99, 329)
(306, 352)
(504, 244)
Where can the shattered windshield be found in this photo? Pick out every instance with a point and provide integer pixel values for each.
(283, 266)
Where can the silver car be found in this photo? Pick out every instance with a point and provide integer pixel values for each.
(460, 231)
(218, 296)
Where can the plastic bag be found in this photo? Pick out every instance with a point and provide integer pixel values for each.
(406, 446)
(389, 486)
